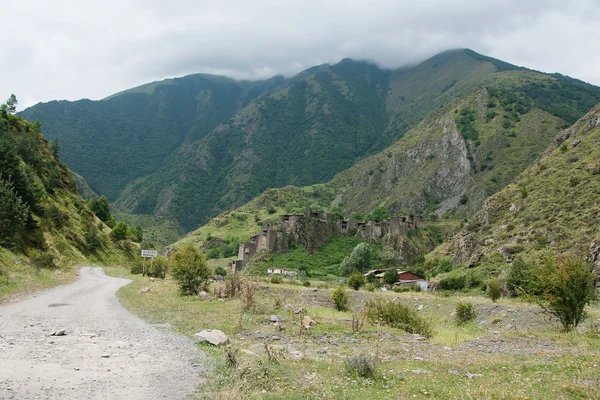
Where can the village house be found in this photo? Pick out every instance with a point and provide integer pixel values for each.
(405, 278)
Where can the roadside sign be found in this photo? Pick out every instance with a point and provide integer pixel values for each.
(149, 253)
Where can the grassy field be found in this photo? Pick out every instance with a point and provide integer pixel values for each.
(510, 351)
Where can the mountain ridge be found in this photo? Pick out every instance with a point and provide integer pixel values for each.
(302, 130)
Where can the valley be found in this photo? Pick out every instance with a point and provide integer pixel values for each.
(351, 231)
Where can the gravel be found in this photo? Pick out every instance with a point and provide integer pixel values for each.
(105, 352)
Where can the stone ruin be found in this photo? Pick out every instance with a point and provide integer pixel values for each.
(312, 230)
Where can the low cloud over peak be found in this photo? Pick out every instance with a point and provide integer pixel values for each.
(82, 49)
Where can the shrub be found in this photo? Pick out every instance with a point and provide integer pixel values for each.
(213, 253)
(276, 279)
(370, 287)
(452, 282)
(220, 271)
(493, 289)
(158, 267)
(233, 285)
(465, 312)
(340, 299)
(398, 315)
(247, 292)
(306, 283)
(92, 239)
(401, 289)
(356, 280)
(358, 319)
(519, 277)
(362, 365)
(190, 270)
(391, 276)
(41, 259)
(14, 213)
(119, 232)
(563, 286)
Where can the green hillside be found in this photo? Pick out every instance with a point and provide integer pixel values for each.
(552, 206)
(44, 222)
(307, 129)
(114, 141)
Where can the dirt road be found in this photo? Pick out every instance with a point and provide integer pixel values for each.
(106, 352)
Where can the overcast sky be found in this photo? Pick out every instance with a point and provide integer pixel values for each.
(72, 49)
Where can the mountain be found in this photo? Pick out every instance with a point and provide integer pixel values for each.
(446, 166)
(552, 205)
(42, 215)
(117, 140)
(307, 129)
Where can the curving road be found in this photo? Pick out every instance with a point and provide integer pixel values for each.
(106, 352)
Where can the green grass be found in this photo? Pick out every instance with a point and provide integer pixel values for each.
(311, 365)
(17, 277)
(325, 262)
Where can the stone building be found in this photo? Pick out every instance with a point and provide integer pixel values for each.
(312, 230)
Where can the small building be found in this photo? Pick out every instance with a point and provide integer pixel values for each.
(281, 271)
(405, 278)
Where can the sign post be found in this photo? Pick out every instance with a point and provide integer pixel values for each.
(147, 254)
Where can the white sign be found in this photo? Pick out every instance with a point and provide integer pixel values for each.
(149, 253)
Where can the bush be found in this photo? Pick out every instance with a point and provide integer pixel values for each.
(401, 289)
(452, 282)
(340, 299)
(370, 287)
(276, 279)
(220, 271)
(391, 276)
(14, 213)
(233, 285)
(364, 366)
(158, 267)
(465, 312)
(41, 259)
(306, 283)
(519, 277)
(190, 270)
(92, 239)
(398, 315)
(119, 232)
(563, 287)
(213, 253)
(356, 280)
(493, 289)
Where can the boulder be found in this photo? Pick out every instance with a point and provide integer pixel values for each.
(144, 290)
(203, 295)
(211, 336)
(274, 318)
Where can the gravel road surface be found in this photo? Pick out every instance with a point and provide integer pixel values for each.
(105, 352)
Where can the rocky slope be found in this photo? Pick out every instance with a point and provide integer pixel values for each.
(552, 205)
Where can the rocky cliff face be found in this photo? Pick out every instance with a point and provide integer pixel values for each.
(552, 206)
(452, 161)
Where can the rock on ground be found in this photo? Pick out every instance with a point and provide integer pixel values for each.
(143, 362)
(211, 336)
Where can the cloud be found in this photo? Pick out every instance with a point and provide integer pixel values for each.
(69, 49)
